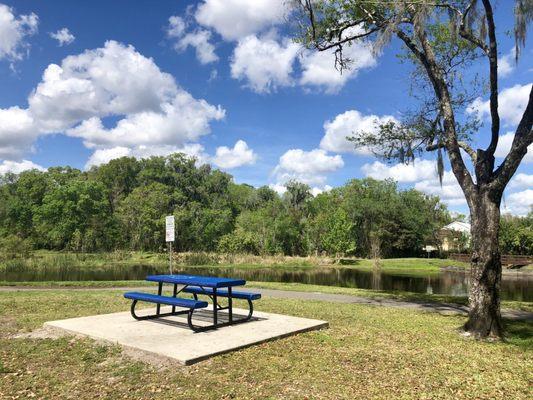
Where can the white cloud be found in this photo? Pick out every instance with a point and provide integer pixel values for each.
(14, 31)
(183, 119)
(237, 156)
(213, 75)
(103, 156)
(523, 181)
(63, 36)
(205, 51)
(506, 63)
(17, 132)
(199, 40)
(450, 192)
(403, 173)
(176, 27)
(424, 174)
(346, 124)
(315, 191)
(113, 81)
(278, 188)
(18, 167)
(519, 203)
(235, 19)
(318, 67)
(310, 167)
(512, 103)
(504, 145)
(263, 63)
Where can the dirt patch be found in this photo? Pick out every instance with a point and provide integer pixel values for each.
(41, 333)
(7, 326)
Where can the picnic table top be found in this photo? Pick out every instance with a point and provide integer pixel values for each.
(197, 280)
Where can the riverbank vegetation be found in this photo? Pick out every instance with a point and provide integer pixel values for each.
(48, 259)
(368, 352)
(121, 206)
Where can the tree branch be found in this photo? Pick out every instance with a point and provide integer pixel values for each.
(493, 63)
(463, 145)
(340, 42)
(308, 6)
(427, 58)
(522, 139)
(466, 33)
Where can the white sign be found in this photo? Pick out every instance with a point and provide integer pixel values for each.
(169, 231)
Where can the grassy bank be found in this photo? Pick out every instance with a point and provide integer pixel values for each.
(368, 352)
(122, 260)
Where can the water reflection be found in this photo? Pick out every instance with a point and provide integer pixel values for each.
(455, 283)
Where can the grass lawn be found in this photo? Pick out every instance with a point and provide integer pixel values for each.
(369, 352)
(301, 287)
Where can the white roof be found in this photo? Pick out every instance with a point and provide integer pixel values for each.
(458, 226)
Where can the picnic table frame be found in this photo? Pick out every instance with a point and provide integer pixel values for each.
(202, 282)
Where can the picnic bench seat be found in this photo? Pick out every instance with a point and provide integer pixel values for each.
(169, 301)
(190, 304)
(223, 293)
(249, 297)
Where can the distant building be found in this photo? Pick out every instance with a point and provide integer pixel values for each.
(454, 237)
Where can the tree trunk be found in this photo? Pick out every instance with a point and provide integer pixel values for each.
(484, 318)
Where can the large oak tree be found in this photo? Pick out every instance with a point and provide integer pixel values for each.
(442, 38)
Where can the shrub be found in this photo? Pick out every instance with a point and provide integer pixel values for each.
(13, 246)
(238, 242)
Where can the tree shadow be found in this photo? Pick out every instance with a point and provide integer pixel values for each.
(519, 333)
(348, 261)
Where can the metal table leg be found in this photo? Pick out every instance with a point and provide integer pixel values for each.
(230, 306)
(215, 307)
(175, 294)
(159, 292)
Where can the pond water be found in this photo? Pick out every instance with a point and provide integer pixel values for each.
(515, 286)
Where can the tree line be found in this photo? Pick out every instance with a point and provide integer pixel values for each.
(122, 205)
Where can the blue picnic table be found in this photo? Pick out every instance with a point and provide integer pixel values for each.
(211, 287)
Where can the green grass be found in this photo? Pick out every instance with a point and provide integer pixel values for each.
(368, 352)
(411, 265)
(301, 287)
(77, 284)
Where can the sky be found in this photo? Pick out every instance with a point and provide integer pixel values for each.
(85, 82)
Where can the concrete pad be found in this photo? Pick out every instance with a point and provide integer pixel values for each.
(170, 338)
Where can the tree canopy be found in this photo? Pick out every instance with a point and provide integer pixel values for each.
(122, 205)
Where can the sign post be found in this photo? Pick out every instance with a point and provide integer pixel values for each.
(170, 234)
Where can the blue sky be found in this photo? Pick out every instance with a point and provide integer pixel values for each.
(219, 80)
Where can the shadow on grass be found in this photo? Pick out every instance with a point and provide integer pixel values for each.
(348, 261)
(519, 333)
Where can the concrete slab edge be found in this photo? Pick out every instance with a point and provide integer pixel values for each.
(160, 357)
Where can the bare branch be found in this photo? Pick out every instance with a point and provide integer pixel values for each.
(463, 145)
(493, 63)
(522, 139)
(340, 42)
(465, 32)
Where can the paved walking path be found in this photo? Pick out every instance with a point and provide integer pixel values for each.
(441, 308)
